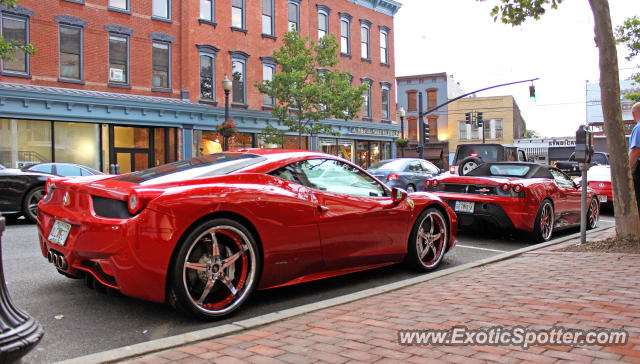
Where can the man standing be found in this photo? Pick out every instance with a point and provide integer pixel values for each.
(634, 151)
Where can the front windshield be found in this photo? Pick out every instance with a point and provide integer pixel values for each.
(204, 166)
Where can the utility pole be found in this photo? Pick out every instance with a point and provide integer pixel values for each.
(420, 126)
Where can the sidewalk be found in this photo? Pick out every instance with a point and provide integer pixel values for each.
(538, 290)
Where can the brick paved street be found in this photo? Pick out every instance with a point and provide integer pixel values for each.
(537, 290)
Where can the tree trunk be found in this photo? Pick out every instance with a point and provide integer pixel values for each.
(624, 202)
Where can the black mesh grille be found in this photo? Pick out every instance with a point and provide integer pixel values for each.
(471, 189)
(108, 207)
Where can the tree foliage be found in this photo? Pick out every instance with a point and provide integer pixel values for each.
(629, 34)
(8, 48)
(307, 89)
(515, 12)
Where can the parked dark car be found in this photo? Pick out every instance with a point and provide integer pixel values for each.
(470, 156)
(406, 173)
(572, 168)
(22, 189)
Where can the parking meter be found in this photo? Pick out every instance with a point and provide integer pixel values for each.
(584, 145)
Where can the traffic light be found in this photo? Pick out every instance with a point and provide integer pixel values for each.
(480, 121)
(467, 118)
(532, 92)
(426, 132)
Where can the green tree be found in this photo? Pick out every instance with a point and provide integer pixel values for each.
(8, 48)
(273, 135)
(629, 34)
(515, 12)
(307, 89)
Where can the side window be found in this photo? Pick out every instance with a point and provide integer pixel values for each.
(561, 178)
(292, 173)
(86, 172)
(338, 177)
(415, 167)
(430, 168)
(46, 168)
(67, 170)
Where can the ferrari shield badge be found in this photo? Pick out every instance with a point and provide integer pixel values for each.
(411, 203)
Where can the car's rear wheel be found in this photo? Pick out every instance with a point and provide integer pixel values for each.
(30, 203)
(411, 188)
(544, 223)
(215, 270)
(468, 164)
(428, 240)
(593, 214)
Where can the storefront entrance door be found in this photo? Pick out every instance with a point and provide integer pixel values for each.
(131, 148)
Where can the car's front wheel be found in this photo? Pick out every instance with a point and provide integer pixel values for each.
(428, 240)
(593, 214)
(215, 270)
(30, 203)
(411, 188)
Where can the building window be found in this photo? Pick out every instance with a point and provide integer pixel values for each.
(161, 59)
(16, 29)
(207, 77)
(267, 17)
(364, 41)
(462, 130)
(384, 55)
(119, 58)
(432, 97)
(206, 10)
(293, 16)
(267, 75)
(238, 74)
(161, 9)
(344, 37)
(237, 14)
(70, 52)
(411, 101)
(366, 105)
(323, 24)
(385, 103)
(119, 4)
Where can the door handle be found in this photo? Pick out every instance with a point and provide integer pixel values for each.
(323, 208)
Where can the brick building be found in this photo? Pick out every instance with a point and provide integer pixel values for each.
(138, 83)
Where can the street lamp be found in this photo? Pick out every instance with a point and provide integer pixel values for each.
(226, 86)
(402, 113)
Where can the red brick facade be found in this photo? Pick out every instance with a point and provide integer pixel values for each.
(188, 31)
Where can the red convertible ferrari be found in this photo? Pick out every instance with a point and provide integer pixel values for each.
(526, 197)
(203, 233)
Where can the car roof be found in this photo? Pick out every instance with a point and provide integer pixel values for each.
(536, 170)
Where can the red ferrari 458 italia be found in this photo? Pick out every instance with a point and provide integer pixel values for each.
(203, 233)
(526, 197)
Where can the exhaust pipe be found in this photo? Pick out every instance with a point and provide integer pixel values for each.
(62, 262)
(50, 256)
(57, 259)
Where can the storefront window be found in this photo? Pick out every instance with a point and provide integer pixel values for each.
(362, 153)
(211, 142)
(374, 149)
(340, 147)
(130, 137)
(24, 142)
(77, 143)
(158, 146)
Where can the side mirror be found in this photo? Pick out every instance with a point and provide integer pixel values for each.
(398, 195)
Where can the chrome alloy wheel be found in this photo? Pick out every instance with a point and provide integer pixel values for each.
(431, 238)
(593, 213)
(219, 270)
(30, 208)
(546, 221)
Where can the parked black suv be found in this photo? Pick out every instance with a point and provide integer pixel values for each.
(469, 156)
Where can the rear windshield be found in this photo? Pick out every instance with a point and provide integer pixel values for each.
(391, 165)
(509, 170)
(488, 153)
(205, 166)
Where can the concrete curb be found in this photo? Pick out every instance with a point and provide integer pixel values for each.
(132, 351)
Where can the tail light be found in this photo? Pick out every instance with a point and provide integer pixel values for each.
(392, 177)
(517, 188)
(138, 199)
(452, 170)
(506, 187)
(49, 186)
(427, 183)
(555, 165)
(435, 183)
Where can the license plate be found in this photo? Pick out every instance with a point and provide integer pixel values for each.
(464, 206)
(602, 198)
(59, 232)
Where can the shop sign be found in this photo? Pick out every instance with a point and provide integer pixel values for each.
(377, 132)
